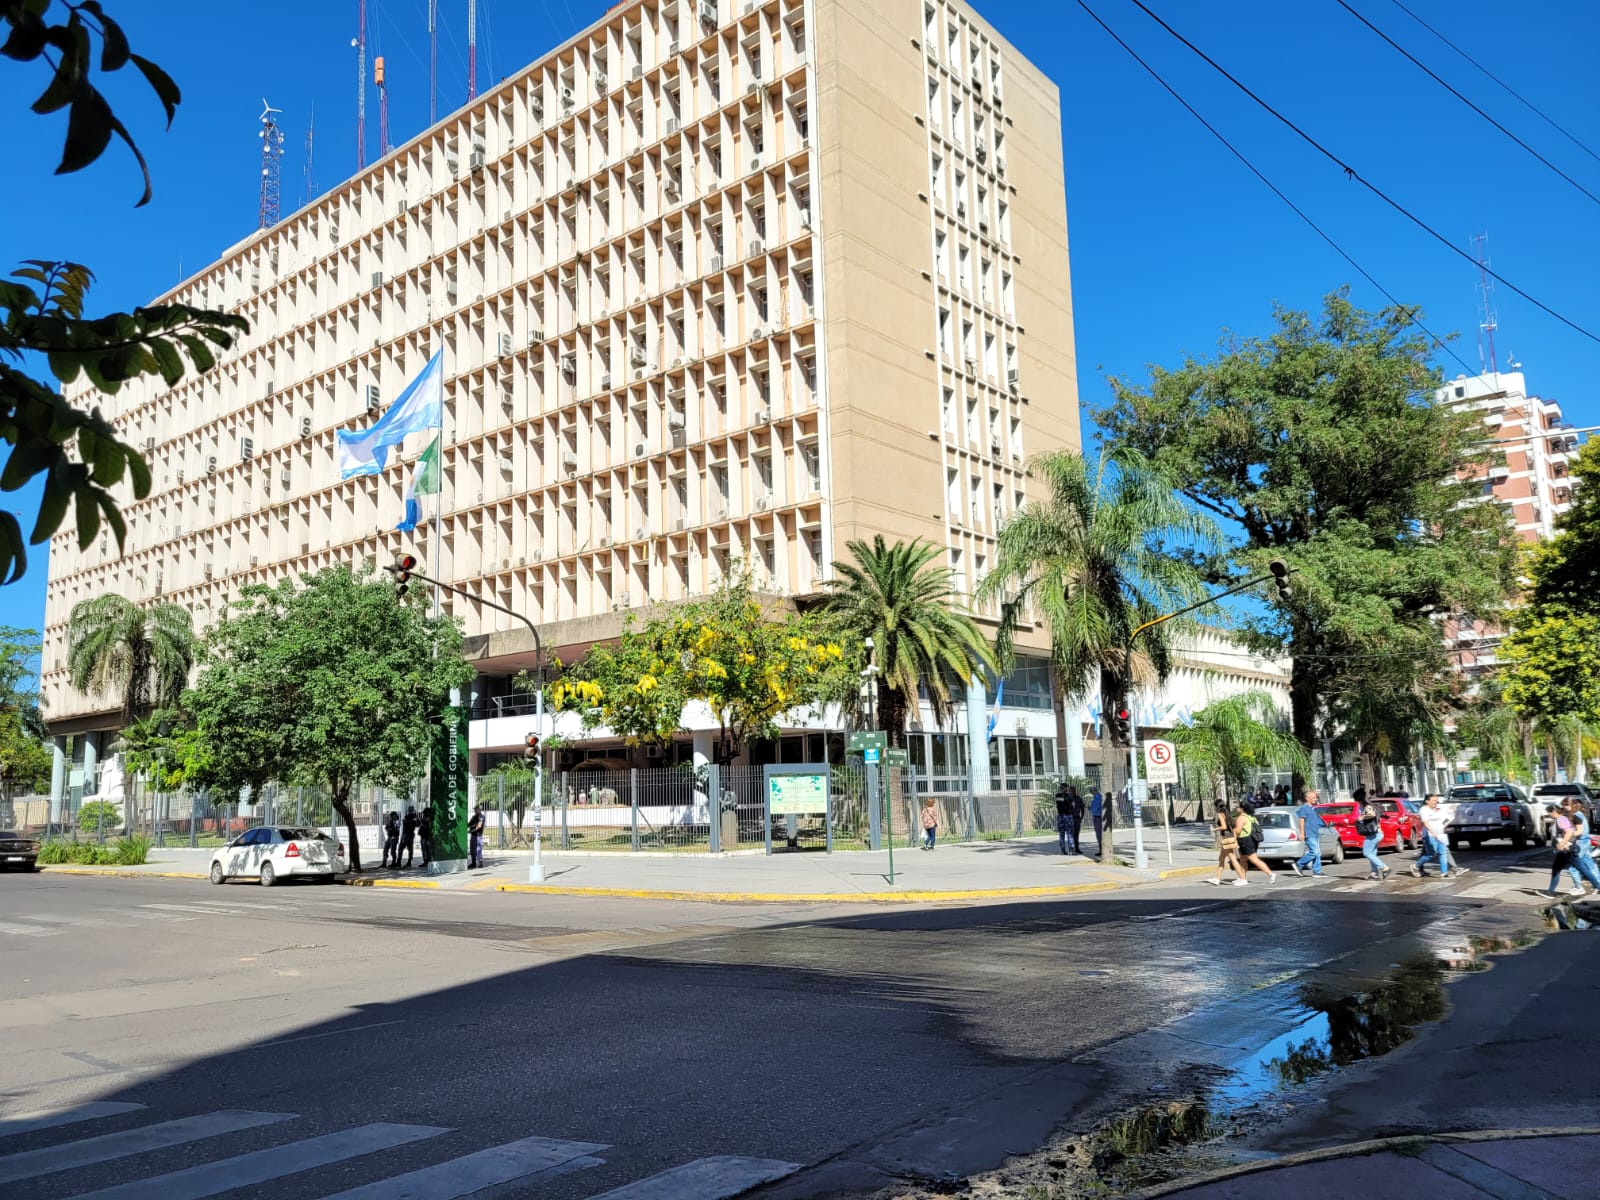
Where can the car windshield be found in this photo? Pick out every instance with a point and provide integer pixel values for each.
(298, 835)
(1558, 789)
(1336, 810)
(1273, 820)
(7, 835)
(1488, 791)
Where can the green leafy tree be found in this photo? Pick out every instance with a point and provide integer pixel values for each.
(141, 654)
(922, 634)
(1565, 570)
(42, 304)
(99, 816)
(1501, 740)
(1235, 737)
(327, 680)
(747, 661)
(25, 761)
(1322, 445)
(168, 750)
(19, 678)
(1552, 667)
(1093, 561)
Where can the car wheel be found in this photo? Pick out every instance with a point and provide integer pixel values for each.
(217, 875)
(268, 875)
(1338, 853)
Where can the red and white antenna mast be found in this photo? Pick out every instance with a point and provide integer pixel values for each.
(360, 43)
(271, 166)
(383, 106)
(433, 61)
(472, 50)
(1488, 322)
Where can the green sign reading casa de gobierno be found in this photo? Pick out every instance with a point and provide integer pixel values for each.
(448, 778)
(797, 793)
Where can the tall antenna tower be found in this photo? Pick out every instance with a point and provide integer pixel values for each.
(311, 179)
(383, 106)
(472, 50)
(271, 165)
(360, 43)
(1488, 322)
(433, 61)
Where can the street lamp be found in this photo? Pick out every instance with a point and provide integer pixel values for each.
(869, 674)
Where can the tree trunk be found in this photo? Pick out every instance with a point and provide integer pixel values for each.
(892, 707)
(1114, 774)
(341, 805)
(1303, 717)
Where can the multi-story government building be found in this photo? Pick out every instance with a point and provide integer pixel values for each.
(715, 280)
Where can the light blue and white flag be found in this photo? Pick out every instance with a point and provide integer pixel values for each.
(424, 481)
(999, 701)
(419, 408)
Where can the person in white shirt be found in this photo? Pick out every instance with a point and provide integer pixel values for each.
(1436, 822)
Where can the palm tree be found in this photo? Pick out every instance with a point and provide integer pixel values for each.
(920, 631)
(1235, 736)
(142, 654)
(1502, 739)
(1093, 561)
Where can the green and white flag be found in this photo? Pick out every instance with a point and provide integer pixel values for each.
(424, 481)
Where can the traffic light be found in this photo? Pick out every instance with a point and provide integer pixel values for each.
(403, 566)
(530, 746)
(1280, 576)
(1121, 723)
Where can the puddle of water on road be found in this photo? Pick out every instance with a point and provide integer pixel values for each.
(1564, 917)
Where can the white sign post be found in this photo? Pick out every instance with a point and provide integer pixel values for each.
(1161, 766)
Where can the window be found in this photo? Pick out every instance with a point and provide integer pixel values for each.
(944, 331)
(935, 109)
(983, 280)
(941, 254)
(947, 414)
(938, 179)
(963, 268)
(956, 129)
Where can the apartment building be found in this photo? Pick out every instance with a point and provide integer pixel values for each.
(1532, 486)
(715, 280)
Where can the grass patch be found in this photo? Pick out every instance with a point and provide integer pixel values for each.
(129, 852)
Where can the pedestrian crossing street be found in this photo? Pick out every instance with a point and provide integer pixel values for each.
(455, 1167)
(1513, 884)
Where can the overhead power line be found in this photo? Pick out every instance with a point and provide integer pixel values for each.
(1354, 175)
(1407, 311)
(1518, 96)
(1442, 82)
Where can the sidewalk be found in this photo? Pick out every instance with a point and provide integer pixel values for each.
(952, 872)
(1487, 1164)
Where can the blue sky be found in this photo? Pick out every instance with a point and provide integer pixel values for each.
(1172, 240)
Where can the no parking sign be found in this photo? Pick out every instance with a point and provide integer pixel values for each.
(1160, 762)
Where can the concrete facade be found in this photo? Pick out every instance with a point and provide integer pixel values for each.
(716, 280)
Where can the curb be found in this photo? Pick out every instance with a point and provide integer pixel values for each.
(1185, 872)
(1414, 1141)
(362, 881)
(907, 897)
(121, 872)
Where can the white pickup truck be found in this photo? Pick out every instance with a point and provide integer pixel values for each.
(1489, 811)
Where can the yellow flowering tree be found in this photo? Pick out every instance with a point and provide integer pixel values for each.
(749, 663)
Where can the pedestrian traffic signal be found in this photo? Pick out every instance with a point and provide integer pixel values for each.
(404, 564)
(530, 746)
(1280, 576)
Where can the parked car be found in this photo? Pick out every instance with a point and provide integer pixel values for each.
(1280, 836)
(1343, 816)
(1555, 793)
(271, 853)
(1490, 811)
(1402, 814)
(18, 852)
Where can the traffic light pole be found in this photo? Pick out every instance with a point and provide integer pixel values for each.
(536, 870)
(1279, 572)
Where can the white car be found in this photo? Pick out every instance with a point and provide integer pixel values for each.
(271, 853)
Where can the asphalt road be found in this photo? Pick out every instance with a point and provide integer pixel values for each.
(429, 1045)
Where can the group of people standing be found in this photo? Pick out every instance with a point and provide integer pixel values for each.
(1071, 808)
(400, 836)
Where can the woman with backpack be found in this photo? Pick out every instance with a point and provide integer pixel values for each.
(1248, 831)
(1371, 830)
(1227, 846)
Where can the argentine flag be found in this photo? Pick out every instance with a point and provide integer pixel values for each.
(424, 481)
(419, 409)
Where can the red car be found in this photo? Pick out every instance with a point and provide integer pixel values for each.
(1341, 818)
(1408, 824)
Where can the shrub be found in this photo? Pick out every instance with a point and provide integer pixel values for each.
(53, 852)
(133, 851)
(96, 815)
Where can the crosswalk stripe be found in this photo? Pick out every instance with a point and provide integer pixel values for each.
(205, 910)
(27, 930)
(51, 1118)
(32, 1163)
(475, 1172)
(71, 919)
(143, 915)
(260, 1166)
(714, 1178)
(1490, 887)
